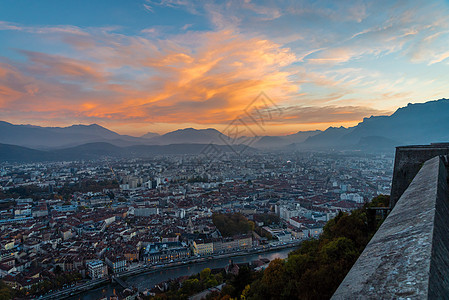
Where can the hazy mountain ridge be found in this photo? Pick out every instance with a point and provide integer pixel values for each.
(420, 123)
(191, 136)
(149, 135)
(50, 138)
(329, 137)
(55, 137)
(272, 142)
(416, 123)
(13, 153)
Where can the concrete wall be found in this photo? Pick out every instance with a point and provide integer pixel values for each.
(408, 255)
(408, 161)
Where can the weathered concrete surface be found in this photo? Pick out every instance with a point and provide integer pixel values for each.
(408, 256)
(408, 161)
(439, 267)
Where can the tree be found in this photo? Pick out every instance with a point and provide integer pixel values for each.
(5, 292)
(239, 281)
(231, 224)
(380, 201)
(274, 279)
(210, 282)
(219, 277)
(245, 292)
(190, 286)
(205, 274)
(252, 225)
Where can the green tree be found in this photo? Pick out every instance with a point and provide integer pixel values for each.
(245, 292)
(190, 286)
(5, 292)
(231, 224)
(210, 283)
(274, 279)
(205, 274)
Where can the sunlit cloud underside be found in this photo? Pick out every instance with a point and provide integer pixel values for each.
(323, 63)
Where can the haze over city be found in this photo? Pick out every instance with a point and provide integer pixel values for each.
(157, 66)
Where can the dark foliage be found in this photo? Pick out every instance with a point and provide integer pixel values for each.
(195, 284)
(232, 224)
(5, 292)
(267, 219)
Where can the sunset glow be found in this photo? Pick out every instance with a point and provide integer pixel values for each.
(140, 66)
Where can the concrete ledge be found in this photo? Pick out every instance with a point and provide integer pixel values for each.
(407, 163)
(408, 255)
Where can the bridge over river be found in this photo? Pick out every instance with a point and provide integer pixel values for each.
(123, 284)
(149, 279)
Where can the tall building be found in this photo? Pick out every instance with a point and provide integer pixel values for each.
(97, 269)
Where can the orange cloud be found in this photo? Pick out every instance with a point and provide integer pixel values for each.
(166, 82)
(60, 66)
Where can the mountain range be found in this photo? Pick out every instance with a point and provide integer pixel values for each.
(420, 123)
(90, 151)
(53, 138)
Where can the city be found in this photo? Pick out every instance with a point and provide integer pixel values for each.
(93, 220)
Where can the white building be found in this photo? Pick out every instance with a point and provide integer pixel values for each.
(352, 197)
(116, 263)
(314, 230)
(279, 233)
(286, 212)
(148, 184)
(96, 269)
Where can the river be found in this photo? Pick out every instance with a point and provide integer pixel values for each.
(149, 279)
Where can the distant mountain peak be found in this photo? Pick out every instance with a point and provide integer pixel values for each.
(335, 128)
(149, 135)
(194, 129)
(93, 126)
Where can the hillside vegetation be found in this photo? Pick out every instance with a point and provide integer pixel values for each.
(317, 267)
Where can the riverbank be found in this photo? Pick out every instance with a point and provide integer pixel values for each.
(76, 289)
(149, 269)
(148, 277)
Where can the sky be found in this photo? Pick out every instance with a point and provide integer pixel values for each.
(278, 67)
